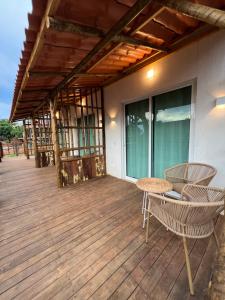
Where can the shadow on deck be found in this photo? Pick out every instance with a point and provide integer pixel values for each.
(87, 241)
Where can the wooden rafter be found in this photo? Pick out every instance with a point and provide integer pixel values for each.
(51, 7)
(110, 41)
(29, 100)
(175, 46)
(132, 32)
(210, 15)
(64, 26)
(36, 90)
(63, 74)
(132, 13)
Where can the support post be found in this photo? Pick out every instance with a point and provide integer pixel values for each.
(103, 128)
(34, 139)
(25, 142)
(55, 141)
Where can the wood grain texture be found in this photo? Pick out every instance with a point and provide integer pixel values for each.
(86, 241)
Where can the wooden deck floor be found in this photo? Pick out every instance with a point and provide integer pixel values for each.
(86, 241)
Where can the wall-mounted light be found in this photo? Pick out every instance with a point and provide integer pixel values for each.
(57, 115)
(113, 122)
(220, 102)
(150, 74)
(83, 101)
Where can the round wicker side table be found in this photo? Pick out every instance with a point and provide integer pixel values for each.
(152, 185)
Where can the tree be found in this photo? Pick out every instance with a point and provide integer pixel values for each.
(17, 131)
(8, 130)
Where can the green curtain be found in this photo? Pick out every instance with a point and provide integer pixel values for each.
(89, 121)
(137, 139)
(171, 128)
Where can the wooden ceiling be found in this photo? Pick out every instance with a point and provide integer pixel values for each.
(94, 43)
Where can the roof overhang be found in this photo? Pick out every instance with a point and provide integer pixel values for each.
(95, 43)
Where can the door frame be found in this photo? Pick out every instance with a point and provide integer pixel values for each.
(124, 156)
(191, 155)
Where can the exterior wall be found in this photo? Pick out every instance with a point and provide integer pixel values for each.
(202, 61)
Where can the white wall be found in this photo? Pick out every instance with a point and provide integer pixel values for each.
(204, 61)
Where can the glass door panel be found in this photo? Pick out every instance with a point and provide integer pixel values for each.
(171, 129)
(137, 139)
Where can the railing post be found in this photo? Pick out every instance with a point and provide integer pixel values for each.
(25, 142)
(36, 154)
(55, 141)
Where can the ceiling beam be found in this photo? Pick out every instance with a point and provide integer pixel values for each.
(24, 100)
(36, 90)
(189, 38)
(63, 74)
(133, 31)
(132, 13)
(25, 109)
(40, 106)
(209, 15)
(64, 26)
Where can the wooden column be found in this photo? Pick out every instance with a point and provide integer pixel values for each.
(55, 141)
(103, 128)
(34, 139)
(25, 142)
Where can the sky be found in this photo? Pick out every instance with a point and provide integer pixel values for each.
(13, 20)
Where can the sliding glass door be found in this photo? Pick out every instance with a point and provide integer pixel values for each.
(170, 129)
(137, 139)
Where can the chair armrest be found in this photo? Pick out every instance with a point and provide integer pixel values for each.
(182, 202)
(198, 193)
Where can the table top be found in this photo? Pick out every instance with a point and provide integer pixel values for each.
(154, 185)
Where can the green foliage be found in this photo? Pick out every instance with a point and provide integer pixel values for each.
(8, 130)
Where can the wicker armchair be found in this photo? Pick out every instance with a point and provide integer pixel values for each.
(195, 173)
(191, 217)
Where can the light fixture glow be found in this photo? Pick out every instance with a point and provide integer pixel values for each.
(113, 122)
(83, 101)
(220, 102)
(57, 115)
(150, 74)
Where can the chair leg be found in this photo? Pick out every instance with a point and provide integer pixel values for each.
(191, 287)
(147, 227)
(216, 239)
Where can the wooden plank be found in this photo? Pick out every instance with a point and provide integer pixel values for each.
(87, 241)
